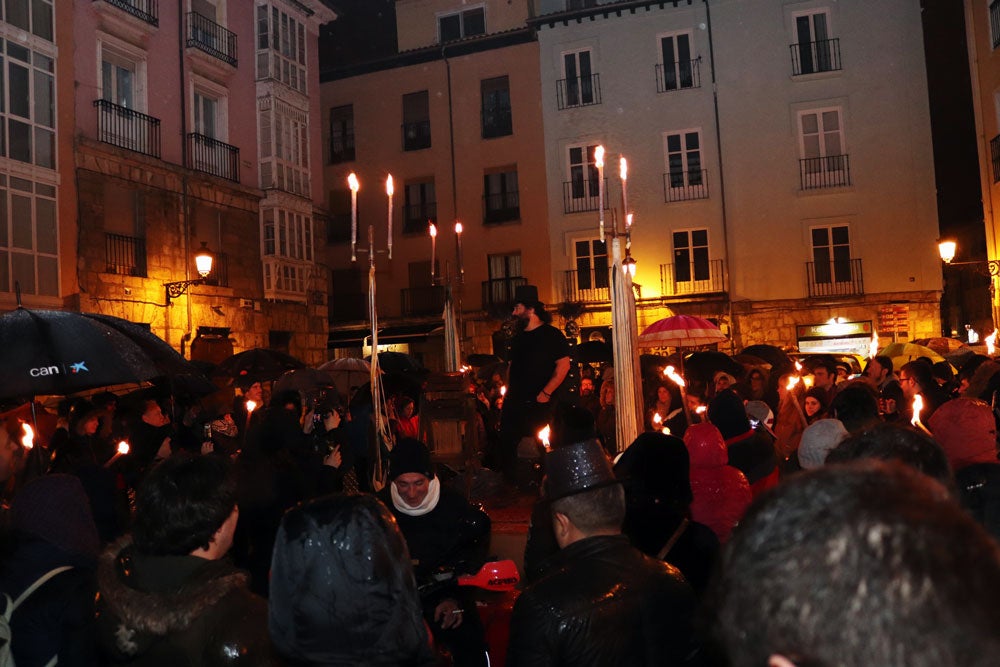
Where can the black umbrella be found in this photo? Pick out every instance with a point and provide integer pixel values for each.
(594, 352)
(703, 365)
(772, 354)
(59, 352)
(398, 362)
(257, 365)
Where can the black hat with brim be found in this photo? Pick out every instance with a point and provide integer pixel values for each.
(577, 468)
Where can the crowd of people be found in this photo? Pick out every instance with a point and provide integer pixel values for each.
(754, 521)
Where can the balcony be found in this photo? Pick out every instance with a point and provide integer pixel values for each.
(342, 148)
(416, 217)
(685, 185)
(212, 156)
(580, 196)
(580, 91)
(347, 307)
(811, 57)
(127, 128)
(995, 156)
(832, 171)
(144, 10)
(416, 136)
(125, 255)
(219, 277)
(208, 36)
(498, 293)
(501, 207)
(678, 76)
(839, 277)
(417, 301)
(693, 278)
(589, 286)
(286, 279)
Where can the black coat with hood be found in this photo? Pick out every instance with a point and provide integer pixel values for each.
(177, 611)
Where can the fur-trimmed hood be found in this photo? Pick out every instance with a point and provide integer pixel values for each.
(144, 599)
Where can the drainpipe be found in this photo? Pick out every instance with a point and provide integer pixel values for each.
(722, 180)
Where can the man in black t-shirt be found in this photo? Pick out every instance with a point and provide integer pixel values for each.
(539, 362)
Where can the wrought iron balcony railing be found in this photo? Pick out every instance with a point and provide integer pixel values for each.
(580, 91)
(499, 292)
(428, 300)
(127, 128)
(589, 286)
(416, 136)
(831, 171)
(416, 217)
(838, 277)
(692, 278)
(501, 207)
(678, 75)
(342, 148)
(582, 195)
(125, 255)
(213, 157)
(144, 10)
(685, 185)
(820, 56)
(206, 35)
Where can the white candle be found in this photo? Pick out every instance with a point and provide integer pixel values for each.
(458, 248)
(434, 237)
(599, 161)
(388, 191)
(623, 174)
(352, 182)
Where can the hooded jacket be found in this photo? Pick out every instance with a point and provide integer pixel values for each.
(177, 611)
(721, 492)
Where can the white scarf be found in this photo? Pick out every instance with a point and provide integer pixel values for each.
(429, 503)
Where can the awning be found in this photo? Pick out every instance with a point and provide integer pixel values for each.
(403, 333)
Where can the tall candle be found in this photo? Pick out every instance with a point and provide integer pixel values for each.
(388, 191)
(352, 182)
(458, 249)
(434, 238)
(623, 174)
(599, 161)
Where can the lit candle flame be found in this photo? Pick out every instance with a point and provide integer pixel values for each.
(543, 435)
(793, 380)
(503, 390)
(873, 346)
(251, 406)
(665, 430)
(657, 419)
(798, 366)
(28, 439)
(623, 169)
(991, 343)
(123, 448)
(389, 190)
(599, 157)
(674, 376)
(458, 228)
(701, 409)
(918, 406)
(628, 221)
(352, 182)
(433, 229)
(807, 381)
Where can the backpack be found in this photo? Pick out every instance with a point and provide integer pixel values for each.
(6, 657)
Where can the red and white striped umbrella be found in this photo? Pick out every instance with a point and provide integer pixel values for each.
(681, 331)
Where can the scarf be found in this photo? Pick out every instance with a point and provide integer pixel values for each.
(429, 503)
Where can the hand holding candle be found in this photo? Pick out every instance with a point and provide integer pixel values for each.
(543, 436)
(123, 449)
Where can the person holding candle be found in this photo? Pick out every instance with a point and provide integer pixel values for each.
(916, 377)
(539, 361)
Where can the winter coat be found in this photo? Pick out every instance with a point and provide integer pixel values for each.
(603, 603)
(177, 611)
(721, 492)
(342, 588)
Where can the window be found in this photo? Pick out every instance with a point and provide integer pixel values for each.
(497, 121)
(288, 252)
(824, 160)
(579, 86)
(284, 147)
(416, 121)
(118, 80)
(831, 251)
(125, 229)
(995, 22)
(580, 193)
(29, 246)
(501, 267)
(691, 256)
(504, 278)
(591, 264)
(420, 207)
(678, 66)
(27, 106)
(580, 4)
(459, 25)
(32, 16)
(814, 51)
(685, 179)
(281, 48)
(500, 196)
(206, 114)
(338, 226)
(342, 134)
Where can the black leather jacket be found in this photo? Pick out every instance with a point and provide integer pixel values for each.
(602, 602)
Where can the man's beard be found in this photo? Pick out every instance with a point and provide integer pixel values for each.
(521, 322)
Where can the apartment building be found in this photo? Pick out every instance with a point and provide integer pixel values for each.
(194, 126)
(770, 190)
(454, 117)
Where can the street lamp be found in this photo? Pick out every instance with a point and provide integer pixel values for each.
(947, 249)
(203, 260)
